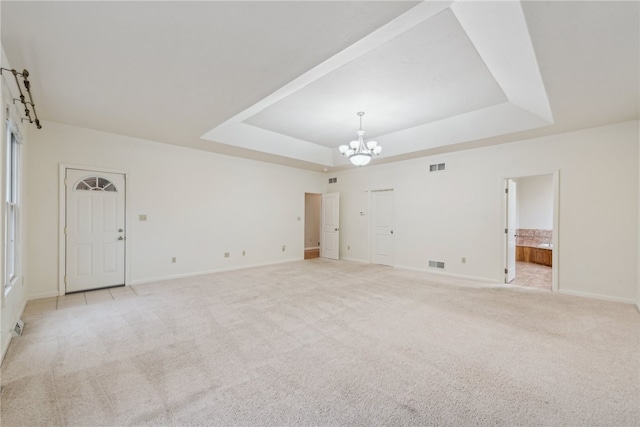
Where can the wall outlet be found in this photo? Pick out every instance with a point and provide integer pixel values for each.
(142, 217)
(226, 254)
(348, 247)
(463, 260)
(173, 260)
(244, 253)
(284, 247)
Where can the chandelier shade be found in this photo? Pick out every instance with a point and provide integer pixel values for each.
(358, 152)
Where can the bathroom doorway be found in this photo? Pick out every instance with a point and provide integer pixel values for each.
(312, 224)
(531, 218)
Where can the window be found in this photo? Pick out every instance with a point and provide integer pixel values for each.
(12, 229)
(96, 184)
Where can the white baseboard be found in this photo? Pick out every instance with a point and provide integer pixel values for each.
(361, 261)
(310, 249)
(452, 275)
(204, 273)
(596, 296)
(43, 295)
(6, 346)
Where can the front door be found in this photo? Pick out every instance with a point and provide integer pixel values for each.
(382, 227)
(330, 241)
(94, 231)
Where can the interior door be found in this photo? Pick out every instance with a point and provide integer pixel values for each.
(94, 231)
(511, 231)
(382, 206)
(330, 241)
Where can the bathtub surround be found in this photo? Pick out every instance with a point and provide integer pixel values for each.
(533, 237)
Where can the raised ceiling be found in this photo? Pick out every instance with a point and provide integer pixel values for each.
(283, 81)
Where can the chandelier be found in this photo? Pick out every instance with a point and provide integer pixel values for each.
(358, 152)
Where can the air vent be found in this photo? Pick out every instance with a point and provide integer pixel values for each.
(436, 264)
(436, 167)
(333, 180)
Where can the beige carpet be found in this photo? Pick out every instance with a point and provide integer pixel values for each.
(327, 343)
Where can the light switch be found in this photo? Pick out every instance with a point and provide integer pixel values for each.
(142, 217)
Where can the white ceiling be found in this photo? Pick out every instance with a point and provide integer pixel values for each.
(282, 81)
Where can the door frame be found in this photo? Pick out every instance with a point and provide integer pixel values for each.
(62, 219)
(370, 227)
(555, 281)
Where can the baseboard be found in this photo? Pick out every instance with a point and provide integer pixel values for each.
(452, 275)
(597, 296)
(361, 261)
(312, 249)
(204, 273)
(6, 346)
(43, 295)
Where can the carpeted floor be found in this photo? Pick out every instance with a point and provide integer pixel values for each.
(327, 343)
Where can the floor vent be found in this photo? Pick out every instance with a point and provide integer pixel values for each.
(18, 329)
(436, 167)
(436, 264)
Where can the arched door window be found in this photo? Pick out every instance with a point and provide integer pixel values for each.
(95, 183)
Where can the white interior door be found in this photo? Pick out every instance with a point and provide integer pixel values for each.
(330, 241)
(382, 208)
(94, 230)
(511, 231)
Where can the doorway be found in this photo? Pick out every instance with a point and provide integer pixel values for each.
(531, 231)
(94, 230)
(312, 214)
(322, 226)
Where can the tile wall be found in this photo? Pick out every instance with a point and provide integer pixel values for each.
(533, 237)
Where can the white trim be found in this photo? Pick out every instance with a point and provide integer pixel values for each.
(310, 249)
(42, 295)
(6, 346)
(453, 275)
(595, 296)
(204, 273)
(62, 214)
(362, 261)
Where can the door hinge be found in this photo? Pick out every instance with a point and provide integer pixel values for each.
(65, 280)
(66, 181)
(506, 231)
(506, 271)
(65, 230)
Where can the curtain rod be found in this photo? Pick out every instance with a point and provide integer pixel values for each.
(27, 85)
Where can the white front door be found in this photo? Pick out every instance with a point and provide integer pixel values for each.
(510, 230)
(330, 241)
(95, 225)
(382, 220)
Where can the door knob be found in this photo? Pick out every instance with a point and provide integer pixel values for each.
(120, 230)
(120, 238)
(391, 231)
(336, 229)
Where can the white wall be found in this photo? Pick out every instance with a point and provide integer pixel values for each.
(198, 204)
(14, 299)
(459, 212)
(535, 202)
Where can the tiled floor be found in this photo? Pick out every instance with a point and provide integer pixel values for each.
(81, 298)
(532, 275)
